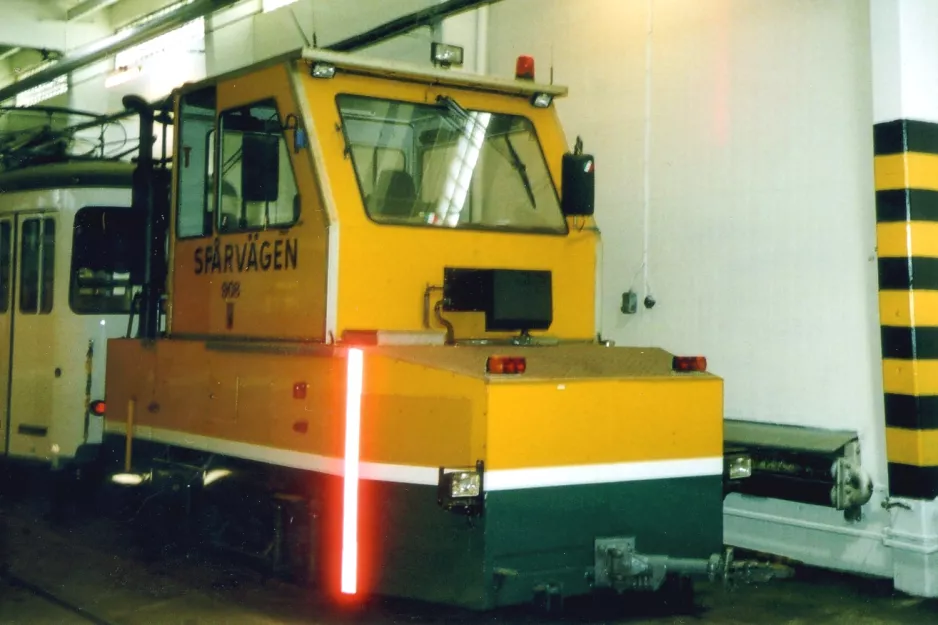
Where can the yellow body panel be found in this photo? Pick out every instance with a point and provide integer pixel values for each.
(288, 303)
(247, 397)
(417, 413)
(394, 264)
(918, 448)
(603, 421)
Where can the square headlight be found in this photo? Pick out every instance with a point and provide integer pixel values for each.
(461, 489)
(445, 55)
(322, 70)
(464, 484)
(738, 467)
(541, 100)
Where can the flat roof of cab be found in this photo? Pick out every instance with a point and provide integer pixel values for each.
(371, 66)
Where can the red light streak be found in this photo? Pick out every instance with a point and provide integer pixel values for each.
(353, 421)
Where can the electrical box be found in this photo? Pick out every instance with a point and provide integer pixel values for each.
(629, 302)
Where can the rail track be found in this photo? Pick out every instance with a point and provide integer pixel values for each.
(50, 597)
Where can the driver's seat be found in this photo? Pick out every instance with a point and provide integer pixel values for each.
(395, 194)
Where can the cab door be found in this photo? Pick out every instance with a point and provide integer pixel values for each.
(6, 325)
(35, 371)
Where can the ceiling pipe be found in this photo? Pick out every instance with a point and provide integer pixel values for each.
(407, 23)
(117, 42)
(88, 7)
(12, 51)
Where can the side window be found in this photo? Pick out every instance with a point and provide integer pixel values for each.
(6, 260)
(37, 269)
(108, 244)
(374, 161)
(258, 189)
(194, 198)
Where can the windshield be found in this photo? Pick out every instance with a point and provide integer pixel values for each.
(107, 259)
(440, 165)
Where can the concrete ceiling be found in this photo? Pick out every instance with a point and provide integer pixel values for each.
(55, 26)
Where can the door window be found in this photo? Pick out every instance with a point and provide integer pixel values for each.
(37, 269)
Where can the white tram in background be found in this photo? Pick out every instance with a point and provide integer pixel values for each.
(71, 264)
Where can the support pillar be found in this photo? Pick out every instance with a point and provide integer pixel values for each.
(905, 95)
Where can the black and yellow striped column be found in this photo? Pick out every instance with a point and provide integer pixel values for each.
(906, 172)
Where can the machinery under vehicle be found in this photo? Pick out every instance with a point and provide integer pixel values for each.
(380, 367)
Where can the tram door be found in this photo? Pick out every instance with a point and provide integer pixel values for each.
(6, 323)
(30, 352)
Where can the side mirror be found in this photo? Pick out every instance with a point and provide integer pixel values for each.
(260, 167)
(579, 188)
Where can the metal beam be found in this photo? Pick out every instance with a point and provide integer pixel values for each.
(87, 7)
(19, 31)
(4, 56)
(117, 42)
(407, 23)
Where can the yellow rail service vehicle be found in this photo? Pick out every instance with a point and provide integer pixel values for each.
(380, 322)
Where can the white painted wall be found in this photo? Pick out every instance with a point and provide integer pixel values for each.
(760, 214)
(244, 35)
(906, 85)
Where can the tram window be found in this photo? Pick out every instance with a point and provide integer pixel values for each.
(37, 269)
(196, 124)
(48, 266)
(107, 259)
(6, 256)
(258, 186)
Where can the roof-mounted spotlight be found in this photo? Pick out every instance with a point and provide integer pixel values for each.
(445, 55)
(541, 100)
(322, 70)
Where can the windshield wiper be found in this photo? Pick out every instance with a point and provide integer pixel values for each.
(457, 111)
(522, 170)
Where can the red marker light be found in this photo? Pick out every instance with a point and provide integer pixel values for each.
(299, 390)
(97, 408)
(360, 337)
(689, 363)
(505, 364)
(524, 68)
(353, 417)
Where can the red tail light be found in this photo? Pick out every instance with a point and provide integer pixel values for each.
(360, 337)
(689, 363)
(97, 408)
(505, 364)
(524, 68)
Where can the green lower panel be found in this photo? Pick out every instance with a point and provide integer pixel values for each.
(409, 547)
(415, 549)
(539, 535)
(545, 535)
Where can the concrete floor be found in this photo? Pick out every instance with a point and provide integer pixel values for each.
(83, 566)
